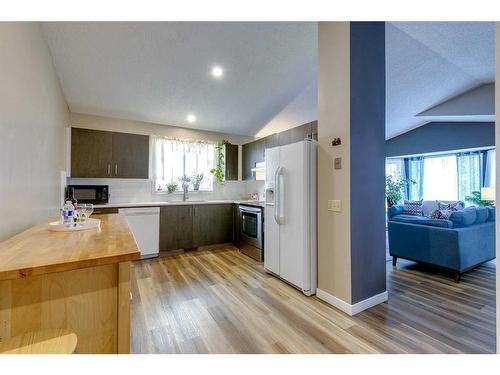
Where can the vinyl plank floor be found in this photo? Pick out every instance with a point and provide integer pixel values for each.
(217, 300)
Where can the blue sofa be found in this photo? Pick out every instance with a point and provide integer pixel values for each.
(459, 244)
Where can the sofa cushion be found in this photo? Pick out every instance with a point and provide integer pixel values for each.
(491, 213)
(428, 207)
(481, 215)
(422, 220)
(463, 218)
(413, 208)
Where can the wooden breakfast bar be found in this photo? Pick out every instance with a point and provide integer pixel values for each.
(76, 281)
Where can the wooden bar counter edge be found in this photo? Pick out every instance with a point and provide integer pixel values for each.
(79, 281)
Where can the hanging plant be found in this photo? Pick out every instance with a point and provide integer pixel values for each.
(218, 171)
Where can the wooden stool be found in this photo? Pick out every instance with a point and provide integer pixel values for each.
(50, 341)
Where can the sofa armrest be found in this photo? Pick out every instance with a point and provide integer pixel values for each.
(394, 210)
(476, 244)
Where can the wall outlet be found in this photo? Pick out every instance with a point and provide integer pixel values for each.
(334, 205)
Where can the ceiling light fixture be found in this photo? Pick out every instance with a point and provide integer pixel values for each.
(217, 72)
(191, 118)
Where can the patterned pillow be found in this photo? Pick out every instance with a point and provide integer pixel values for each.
(453, 206)
(413, 208)
(441, 214)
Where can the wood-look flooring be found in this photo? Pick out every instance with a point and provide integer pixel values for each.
(220, 301)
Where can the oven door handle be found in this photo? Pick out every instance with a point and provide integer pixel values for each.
(250, 210)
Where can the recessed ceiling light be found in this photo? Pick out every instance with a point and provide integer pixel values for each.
(217, 71)
(191, 118)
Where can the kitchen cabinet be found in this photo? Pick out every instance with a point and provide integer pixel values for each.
(231, 162)
(130, 155)
(298, 133)
(252, 153)
(96, 153)
(212, 224)
(91, 153)
(190, 226)
(176, 227)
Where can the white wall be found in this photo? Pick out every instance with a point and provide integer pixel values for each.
(33, 117)
(334, 234)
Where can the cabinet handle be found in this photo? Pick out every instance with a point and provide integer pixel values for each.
(116, 169)
(194, 208)
(189, 211)
(109, 169)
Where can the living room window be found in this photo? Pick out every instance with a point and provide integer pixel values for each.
(446, 176)
(440, 178)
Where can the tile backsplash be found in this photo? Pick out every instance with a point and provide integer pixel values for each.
(131, 190)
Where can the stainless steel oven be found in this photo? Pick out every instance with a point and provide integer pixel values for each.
(250, 234)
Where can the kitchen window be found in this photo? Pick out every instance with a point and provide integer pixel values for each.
(174, 158)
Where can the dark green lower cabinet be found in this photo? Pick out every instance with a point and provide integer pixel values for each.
(176, 227)
(212, 224)
(190, 226)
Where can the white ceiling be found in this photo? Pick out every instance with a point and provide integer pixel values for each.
(428, 63)
(160, 72)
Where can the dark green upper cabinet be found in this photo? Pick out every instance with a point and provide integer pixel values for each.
(91, 153)
(96, 153)
(130, 155)
(252, 153)
(231, 151)
(298, 133)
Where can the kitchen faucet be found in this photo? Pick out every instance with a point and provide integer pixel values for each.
(185, 188)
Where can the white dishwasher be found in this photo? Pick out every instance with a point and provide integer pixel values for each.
(145, 226)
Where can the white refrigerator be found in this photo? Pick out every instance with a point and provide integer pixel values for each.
(290, 243)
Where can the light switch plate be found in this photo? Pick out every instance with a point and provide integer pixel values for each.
(337, 163)
(334, 205)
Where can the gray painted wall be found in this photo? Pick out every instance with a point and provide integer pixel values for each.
(367, 157)
(442, 136)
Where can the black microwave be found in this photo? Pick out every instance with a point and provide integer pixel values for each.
(95, 194)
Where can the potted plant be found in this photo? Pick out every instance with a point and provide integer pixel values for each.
(394, 189)
(171, 187)
(218, 171)
(475, 199)
(185, 181)
(196, 180)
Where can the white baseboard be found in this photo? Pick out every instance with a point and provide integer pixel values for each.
(347, 307)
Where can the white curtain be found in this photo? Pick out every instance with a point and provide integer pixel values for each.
(173, 158)
(489, 173)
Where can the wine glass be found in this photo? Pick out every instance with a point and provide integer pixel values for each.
(89, 209)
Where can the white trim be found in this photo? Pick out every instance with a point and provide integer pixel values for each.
(347, 307)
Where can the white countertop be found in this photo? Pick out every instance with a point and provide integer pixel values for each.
(169, 203)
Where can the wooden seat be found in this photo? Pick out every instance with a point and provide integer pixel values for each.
(51, 341)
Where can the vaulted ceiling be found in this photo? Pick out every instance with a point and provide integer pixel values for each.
(428, 63)
(160, 71)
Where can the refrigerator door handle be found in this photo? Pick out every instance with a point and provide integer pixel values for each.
(276, 195)
(281, 195)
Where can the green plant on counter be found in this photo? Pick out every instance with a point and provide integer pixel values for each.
(185, 181)
(475, 198)
(394, 189)
(171, 187)
(196, 179)
(218, 171)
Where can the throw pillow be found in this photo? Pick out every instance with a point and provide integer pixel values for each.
(453, 206)
(440, 214)
(413, 207)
